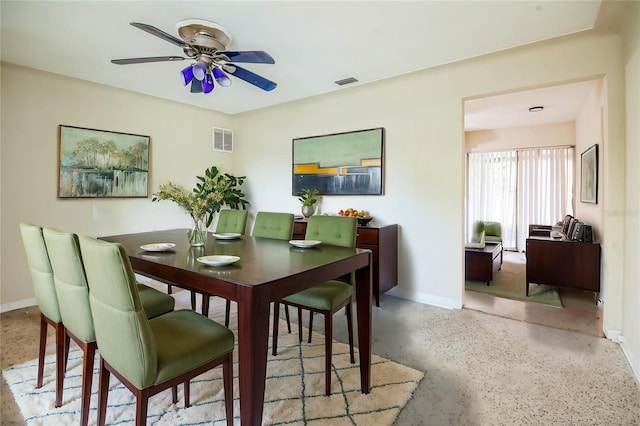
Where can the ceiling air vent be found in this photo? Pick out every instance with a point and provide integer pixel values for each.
(222, 140)
(344, 81)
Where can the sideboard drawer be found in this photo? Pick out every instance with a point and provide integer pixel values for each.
(366, 236)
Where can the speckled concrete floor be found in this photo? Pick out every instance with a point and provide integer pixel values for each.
(480, 369)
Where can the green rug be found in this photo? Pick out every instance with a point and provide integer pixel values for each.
(510, 283)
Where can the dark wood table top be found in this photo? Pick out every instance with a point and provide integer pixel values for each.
(268, 270)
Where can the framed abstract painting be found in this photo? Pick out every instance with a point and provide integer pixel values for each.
(102, 164)
(348, 163)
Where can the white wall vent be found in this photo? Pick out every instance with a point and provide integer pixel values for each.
(222, 140)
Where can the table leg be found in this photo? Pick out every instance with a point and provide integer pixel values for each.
(253, 340)
(363, 300)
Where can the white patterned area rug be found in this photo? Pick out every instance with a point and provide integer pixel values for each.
(294, 388)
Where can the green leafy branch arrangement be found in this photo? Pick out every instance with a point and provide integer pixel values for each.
(211, 193)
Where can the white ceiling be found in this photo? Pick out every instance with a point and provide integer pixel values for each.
(314, 43)
(560, 103)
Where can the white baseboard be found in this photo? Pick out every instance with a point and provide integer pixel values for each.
(24, 303)
(427, 299)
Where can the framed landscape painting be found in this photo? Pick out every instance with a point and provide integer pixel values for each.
(102, 164)
(589, 175)
(349, 163)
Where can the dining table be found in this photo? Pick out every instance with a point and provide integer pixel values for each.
(267, 270)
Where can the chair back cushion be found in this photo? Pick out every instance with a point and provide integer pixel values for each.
(334, 230)
(123, 333)
(41, 272)
(70, 282)
(273, 225)
(232, 221)
(493, 229)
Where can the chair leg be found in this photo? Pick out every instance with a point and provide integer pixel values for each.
(142, 403)
(89, 350)
(103, 392)
(227, 377)
(67, 343)
(187, 394)
(310, 324)
(274, 346)
(60, 337)
(193, 300)
(328, 349)
(174, 394)
(205, 304)
(227, 313)
(169, 289)
(286, 314)
(350, 331)
(300, 324)
(41, 350)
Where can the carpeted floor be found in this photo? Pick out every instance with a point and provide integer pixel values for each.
(510, 282)
(294, 388)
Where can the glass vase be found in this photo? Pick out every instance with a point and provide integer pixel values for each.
(198, 234)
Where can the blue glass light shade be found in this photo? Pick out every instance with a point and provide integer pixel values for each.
(199, 70)
(196, 86)
(207, 84)
(221, 77)
(187, 75)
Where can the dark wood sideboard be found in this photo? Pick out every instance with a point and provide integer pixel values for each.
(563, 263)
(383, 243)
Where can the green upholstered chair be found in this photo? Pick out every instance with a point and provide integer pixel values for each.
(44, 288)
(329, 297)
(493, 232)
(229, 221)
(147, 356)
(73, 297)
(232, 221)
(273, 225)
(278, 226)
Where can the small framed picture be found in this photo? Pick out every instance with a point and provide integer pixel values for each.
(589, 175)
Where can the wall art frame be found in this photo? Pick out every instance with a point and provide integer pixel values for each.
(347, 163)
(589, 175)
(96, 163)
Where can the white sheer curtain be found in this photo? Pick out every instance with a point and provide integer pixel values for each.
(492, 191)
(518, 188)
(545, 188)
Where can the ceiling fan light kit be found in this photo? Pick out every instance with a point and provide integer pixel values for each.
(206, 43)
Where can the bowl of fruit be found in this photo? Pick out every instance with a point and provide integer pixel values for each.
(363, 216)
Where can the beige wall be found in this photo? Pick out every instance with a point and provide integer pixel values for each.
(631, 288)
(422, 113)
(34, 103)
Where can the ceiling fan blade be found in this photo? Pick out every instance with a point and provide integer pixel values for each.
(249, 56)
(250, 77)
(159, 33)
(145, 60)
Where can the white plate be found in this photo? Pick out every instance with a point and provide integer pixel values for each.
(158, 247)
(218, 260)
(305, 243)
(227, 236)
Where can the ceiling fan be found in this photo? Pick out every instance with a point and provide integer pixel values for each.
(206, 42)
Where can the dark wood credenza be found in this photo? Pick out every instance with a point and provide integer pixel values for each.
(563, 263)
(383, 243)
